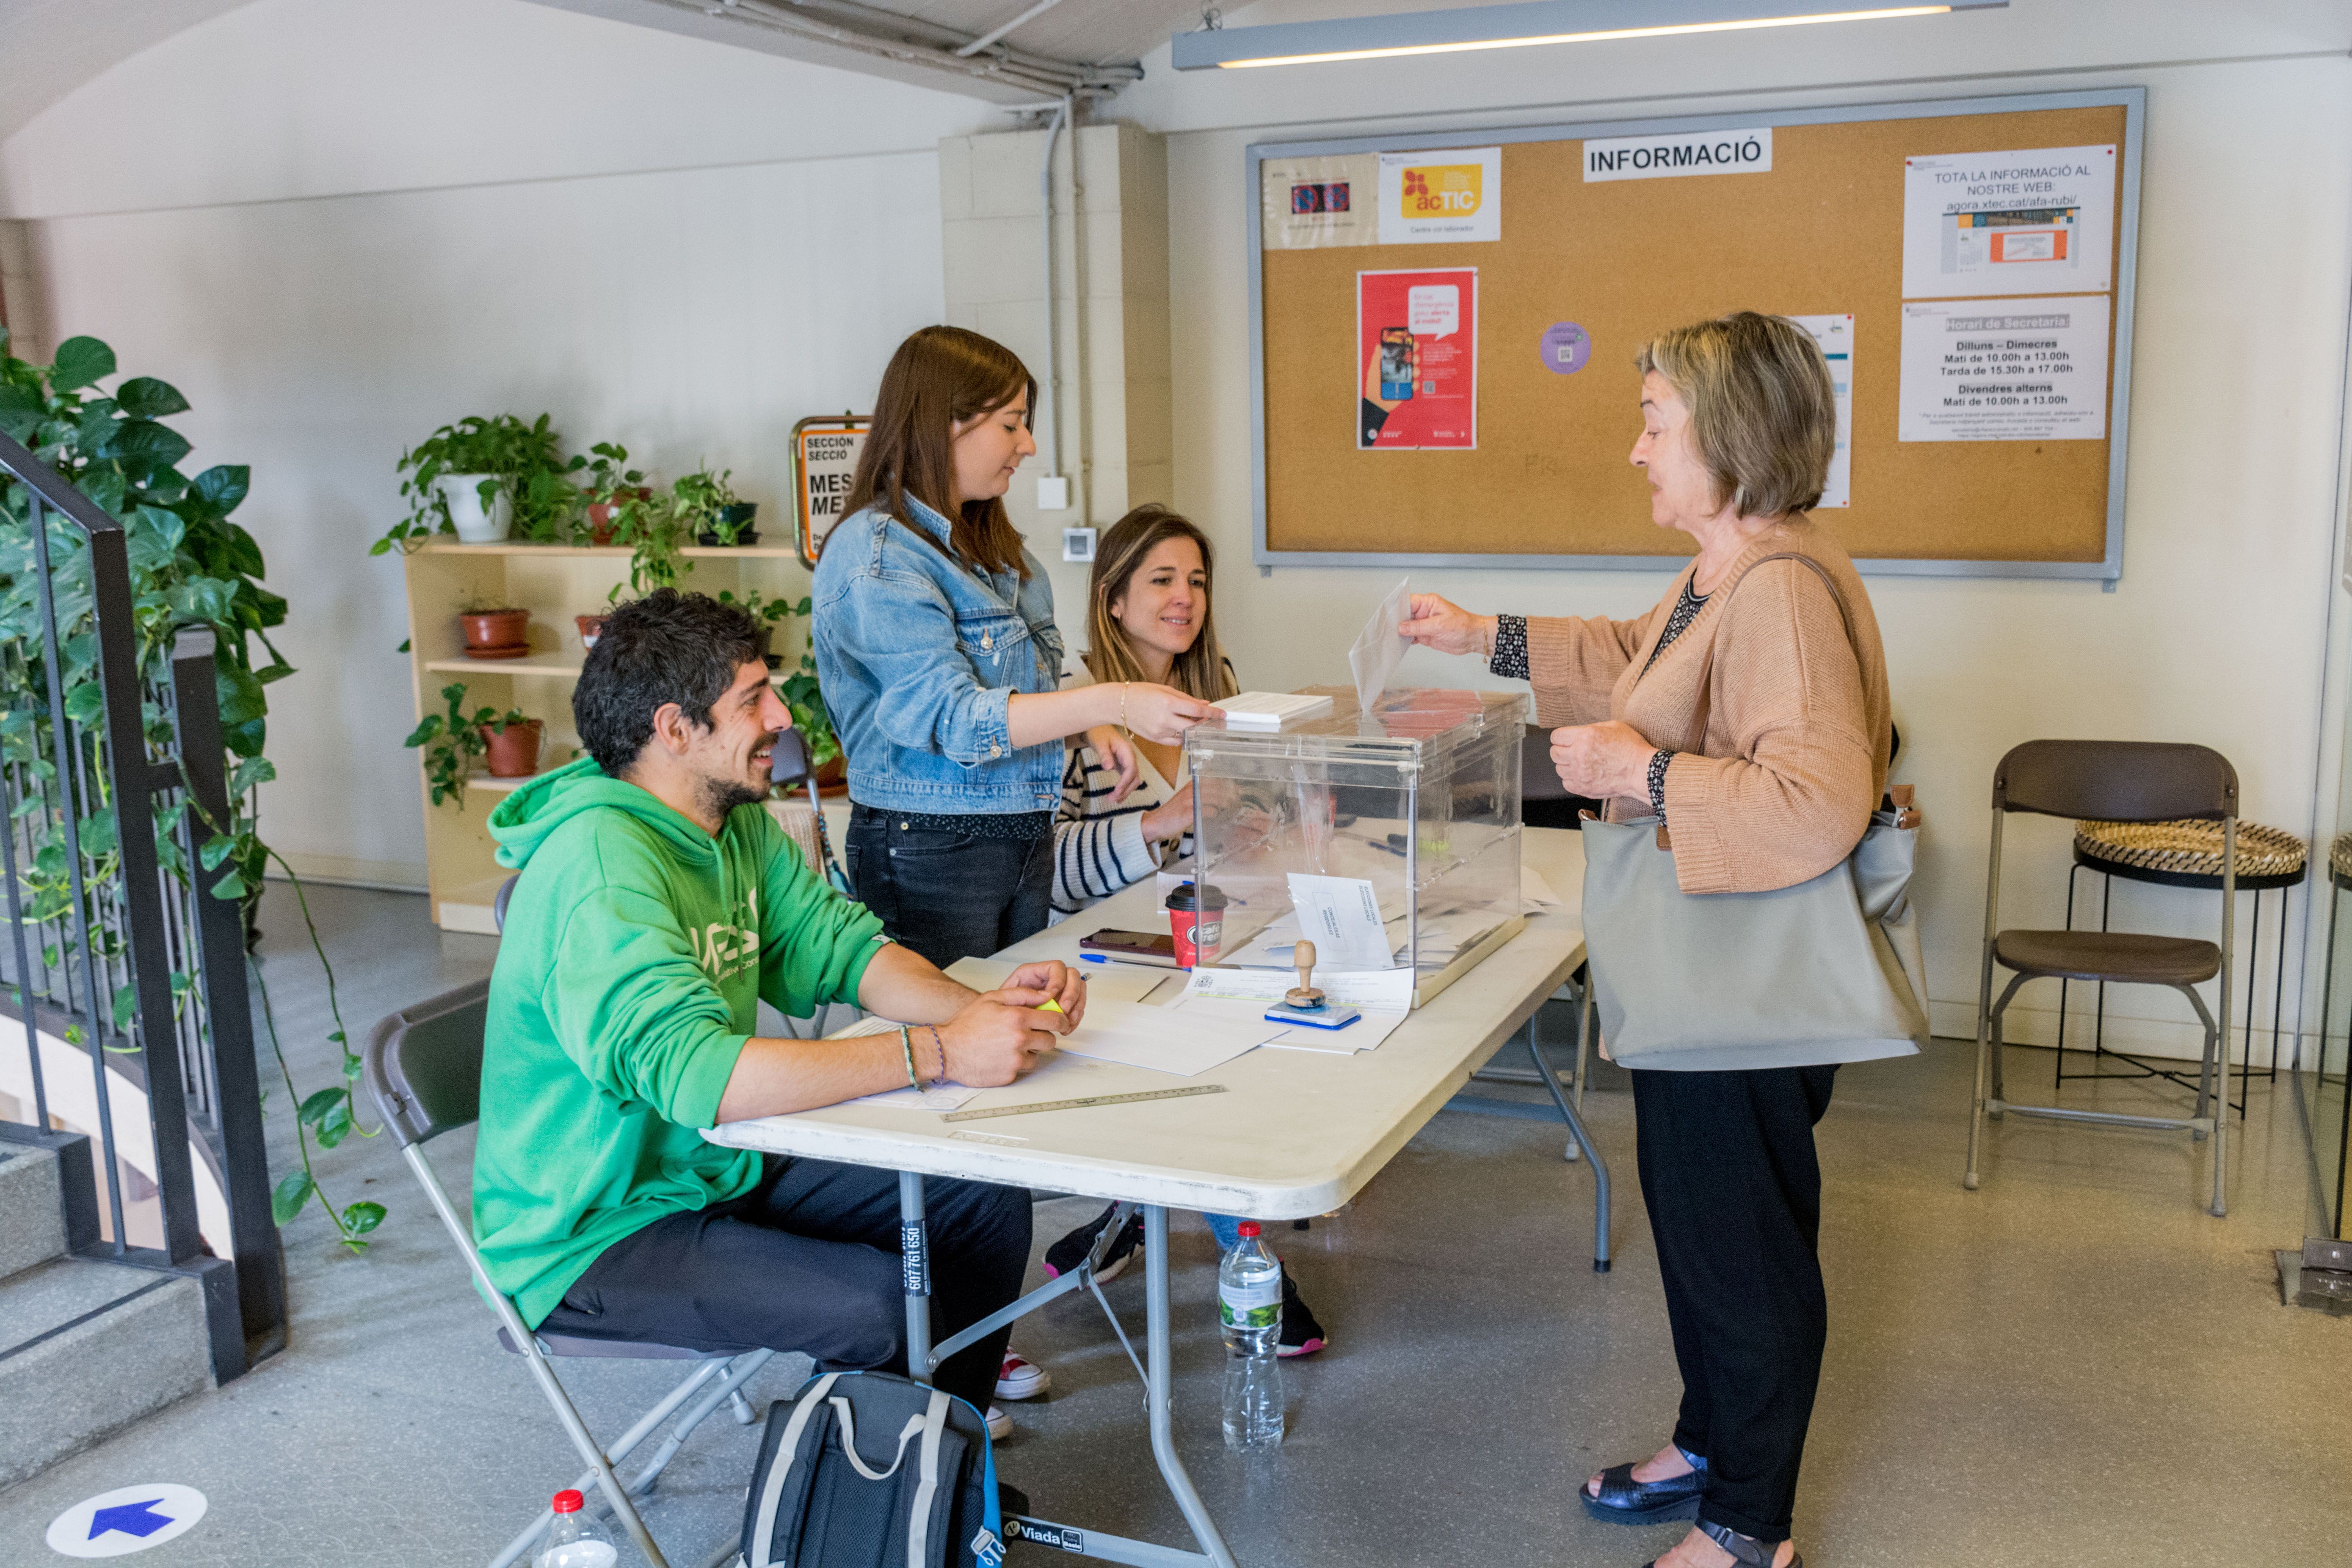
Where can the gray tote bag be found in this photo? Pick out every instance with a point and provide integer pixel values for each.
(1826, 971)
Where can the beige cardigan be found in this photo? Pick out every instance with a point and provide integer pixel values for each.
(1793, 758)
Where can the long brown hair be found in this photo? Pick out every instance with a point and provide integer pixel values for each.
(1200, 671)
(940, 377)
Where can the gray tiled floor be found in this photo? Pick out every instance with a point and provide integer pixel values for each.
(2074, 1365)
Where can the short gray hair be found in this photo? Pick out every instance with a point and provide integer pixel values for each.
(1763, 411)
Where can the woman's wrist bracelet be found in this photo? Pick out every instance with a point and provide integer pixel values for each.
(907, 1049)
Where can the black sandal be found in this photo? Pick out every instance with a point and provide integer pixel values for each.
(1746, 1550)
(1624, 1500)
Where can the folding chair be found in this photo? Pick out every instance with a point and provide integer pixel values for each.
(424, 1070)
(2111, 781)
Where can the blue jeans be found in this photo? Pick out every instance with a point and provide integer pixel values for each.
(1227, 1228)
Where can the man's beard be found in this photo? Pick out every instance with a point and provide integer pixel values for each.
(720, 796)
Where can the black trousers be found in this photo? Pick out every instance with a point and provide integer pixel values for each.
(808, 1261)
(948, 895)
(1734, 1191)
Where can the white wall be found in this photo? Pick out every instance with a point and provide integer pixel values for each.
(337, 223)
(2215, 633)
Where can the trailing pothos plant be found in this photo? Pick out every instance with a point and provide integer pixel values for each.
(525, 461)
(453, 741)
(190, 566)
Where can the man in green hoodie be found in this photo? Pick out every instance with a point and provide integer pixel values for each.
(658, 904)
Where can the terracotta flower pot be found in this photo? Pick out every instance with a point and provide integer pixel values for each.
(495, 628)
(514, 751)
(591, 628)
(599, 515)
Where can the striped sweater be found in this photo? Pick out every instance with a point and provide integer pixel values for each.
(1100, 847)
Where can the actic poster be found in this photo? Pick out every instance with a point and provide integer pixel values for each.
(1417, 358)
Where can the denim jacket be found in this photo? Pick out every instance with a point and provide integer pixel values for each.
(918, 658)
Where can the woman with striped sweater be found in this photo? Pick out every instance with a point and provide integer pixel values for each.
(1146, 621)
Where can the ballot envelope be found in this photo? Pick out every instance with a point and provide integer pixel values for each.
(1391, 838)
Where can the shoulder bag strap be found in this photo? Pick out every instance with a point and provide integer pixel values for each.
(1707, 671)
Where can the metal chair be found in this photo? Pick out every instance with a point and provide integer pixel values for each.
(424, 1070)
(2111, 781)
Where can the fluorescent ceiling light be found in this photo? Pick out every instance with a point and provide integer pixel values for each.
(1516, 27)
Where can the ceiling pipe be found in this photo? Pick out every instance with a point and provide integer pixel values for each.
(987, 38)
(1011, 67)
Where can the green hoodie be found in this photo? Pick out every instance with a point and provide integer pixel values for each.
(636, 947)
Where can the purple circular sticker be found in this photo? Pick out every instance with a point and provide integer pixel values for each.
(1566, 347)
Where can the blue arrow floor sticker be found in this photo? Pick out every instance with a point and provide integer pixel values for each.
(126, 1519)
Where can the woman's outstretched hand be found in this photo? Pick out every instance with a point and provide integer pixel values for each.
(1434, 622)
(1161, 714)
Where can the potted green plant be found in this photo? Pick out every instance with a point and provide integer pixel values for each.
(655, 530)
(511, 743)
(452, 741)
(494, 631)
(707, 504)
(482, 480)
(612, 486)
(769, 613)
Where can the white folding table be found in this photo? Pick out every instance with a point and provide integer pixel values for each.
(1295, 1133)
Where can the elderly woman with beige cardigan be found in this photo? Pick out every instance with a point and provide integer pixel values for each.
(1759, 731)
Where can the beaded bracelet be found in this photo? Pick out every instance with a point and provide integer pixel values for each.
(906, 1048)
(943, 1046)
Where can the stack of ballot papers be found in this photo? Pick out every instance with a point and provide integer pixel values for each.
(1248, 1016)
(1271, 710)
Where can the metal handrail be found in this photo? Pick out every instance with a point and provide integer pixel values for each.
(122, 934)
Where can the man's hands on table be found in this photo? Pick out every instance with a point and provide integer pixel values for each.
(986, 1041)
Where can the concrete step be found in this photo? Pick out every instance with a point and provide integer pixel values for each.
(88, 1348)
(32, 1220)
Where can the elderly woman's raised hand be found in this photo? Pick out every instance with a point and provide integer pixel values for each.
(1434, 621)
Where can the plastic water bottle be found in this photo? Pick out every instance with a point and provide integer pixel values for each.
(1249, 1310)
(573, 1538)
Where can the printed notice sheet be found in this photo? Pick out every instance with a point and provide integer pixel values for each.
(1835, 334)
(1417, 358)
(2005, 369)
(1442, 198)
(2036, 222)
(1314, 204)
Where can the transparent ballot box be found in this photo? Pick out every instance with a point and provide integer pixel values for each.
(1391, 838)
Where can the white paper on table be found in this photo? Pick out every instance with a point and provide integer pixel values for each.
(1342, 915)
(1379, 990)
(1159, 1038)
(1365, 1034)
(1379, 647)
(1536, 893)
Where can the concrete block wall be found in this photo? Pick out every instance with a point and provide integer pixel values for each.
(1110, 230)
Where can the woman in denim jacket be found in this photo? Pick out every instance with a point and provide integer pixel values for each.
(940, 661)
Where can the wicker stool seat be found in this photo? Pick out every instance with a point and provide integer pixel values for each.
(2339, 860)
(2189, 854)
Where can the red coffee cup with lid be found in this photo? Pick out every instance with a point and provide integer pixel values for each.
(1196, 919)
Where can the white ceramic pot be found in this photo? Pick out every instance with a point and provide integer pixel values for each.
(462, 494)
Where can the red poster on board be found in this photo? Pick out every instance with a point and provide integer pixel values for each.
(1417, 355)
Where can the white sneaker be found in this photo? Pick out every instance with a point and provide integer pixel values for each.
(999, 1425)
(1020, 1378)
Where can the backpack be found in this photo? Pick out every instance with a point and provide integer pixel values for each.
(866, 1470)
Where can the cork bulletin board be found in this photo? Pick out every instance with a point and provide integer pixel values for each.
(1452, 382)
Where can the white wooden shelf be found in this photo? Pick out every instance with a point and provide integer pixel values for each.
(555, 583)
(610, 552)
(555, 666)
